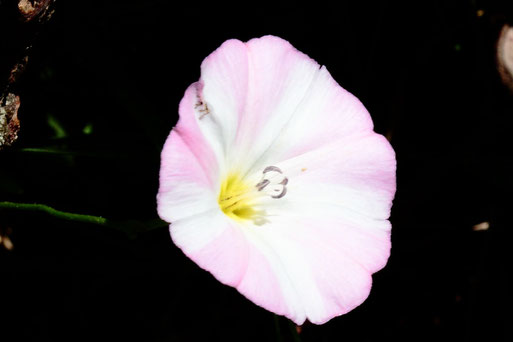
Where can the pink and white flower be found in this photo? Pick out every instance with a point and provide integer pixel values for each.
(274, 181)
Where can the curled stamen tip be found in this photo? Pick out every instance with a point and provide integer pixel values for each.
(274, 179)
(282, 193)
(261, 185)
(272, 168)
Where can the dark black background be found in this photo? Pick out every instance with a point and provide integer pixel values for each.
(424, 69)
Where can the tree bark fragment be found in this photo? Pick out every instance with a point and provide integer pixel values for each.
(20, 23)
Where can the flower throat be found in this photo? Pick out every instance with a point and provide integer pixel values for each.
(237, 197)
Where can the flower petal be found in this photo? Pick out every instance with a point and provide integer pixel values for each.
(280, 79)
(224, 80)
(261, 104)
(327, 113)
(311, 261)
(330, 231)
(267, 99)
(253, 90)
(235, 257)
(355, 172)
(325, 259)
(189, 168)
(214, 242)
(299, 265)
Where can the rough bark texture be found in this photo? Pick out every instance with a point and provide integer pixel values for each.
(20, 22)
(9, 123)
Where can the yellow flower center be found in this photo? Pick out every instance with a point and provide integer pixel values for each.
(236, 196)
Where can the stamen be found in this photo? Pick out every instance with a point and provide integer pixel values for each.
(273, 176)
(283, 193)
(238, 199)
(262, 184)
(272, 168)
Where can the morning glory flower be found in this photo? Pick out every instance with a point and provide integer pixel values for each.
(274, 181)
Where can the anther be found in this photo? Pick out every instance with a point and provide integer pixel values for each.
(272, 168)
(273, 181)
(262, 184)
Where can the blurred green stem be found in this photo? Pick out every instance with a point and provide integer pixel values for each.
(60, 152)
(129, 227)
(279, 337)
(57, 213)
(294, 334)
(44, 150)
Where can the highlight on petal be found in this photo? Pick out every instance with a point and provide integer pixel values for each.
(274, 181)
